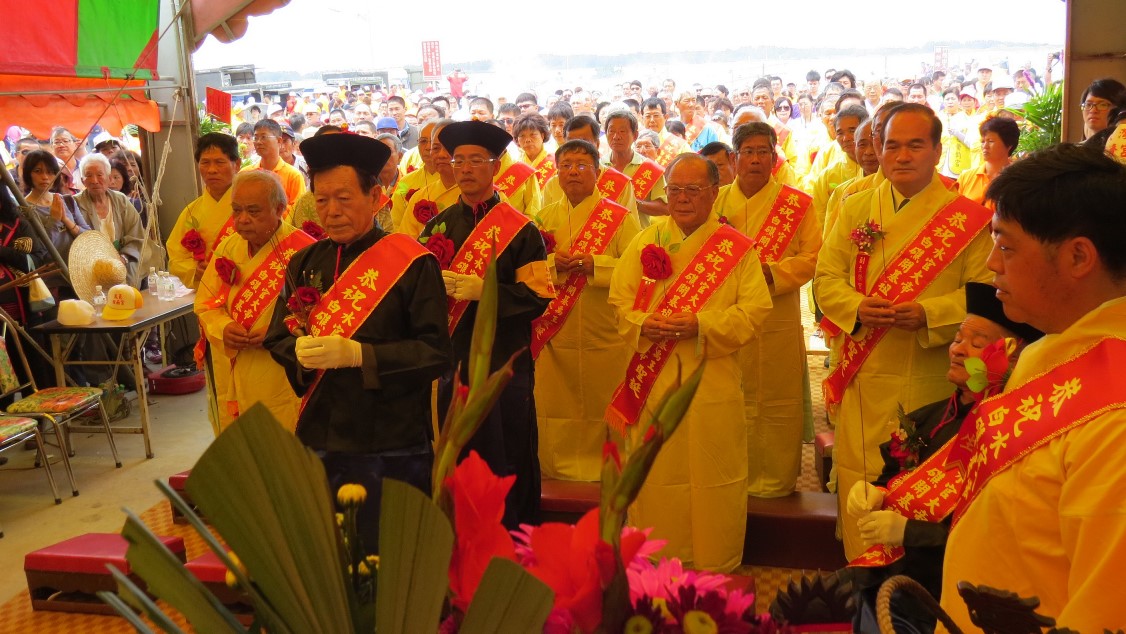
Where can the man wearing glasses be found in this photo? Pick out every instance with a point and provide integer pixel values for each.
(781, 223)
(507, 439)
(69, 152)
(579, 356)
(267, 144)
(24, 146)
(687, 289)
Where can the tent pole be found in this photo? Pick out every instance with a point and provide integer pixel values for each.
(36, 223)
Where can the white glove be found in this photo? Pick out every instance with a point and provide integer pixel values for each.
(468, 287)
(449, 278)
(882, 527)
(864, 497)
(326, 353)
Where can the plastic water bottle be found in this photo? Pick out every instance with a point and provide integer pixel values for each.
(153, 280)
(165, 287)
(99, 300)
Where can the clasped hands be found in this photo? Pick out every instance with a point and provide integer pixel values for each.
(657, 327)
(327, 353)
(876, 526)
(236, 337)
(462, 287)
(876, 312)
(565, 263)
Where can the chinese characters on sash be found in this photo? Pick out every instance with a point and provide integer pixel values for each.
(646, 176)
(495, 231)
(262, 286)
(781, 224)
(669, 148)
(611, 183)
(545, 169)
(510, 180)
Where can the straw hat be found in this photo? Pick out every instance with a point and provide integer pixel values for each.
(94, 262)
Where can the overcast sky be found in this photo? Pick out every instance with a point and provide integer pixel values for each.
(317, 35)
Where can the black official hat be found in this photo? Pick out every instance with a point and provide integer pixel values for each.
(490, 137)
(332, 150)
(981, 300)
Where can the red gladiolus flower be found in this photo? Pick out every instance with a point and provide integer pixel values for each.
(227, 270)
(478, 498)
(314, 230)
(193, 242)
(443, 248)
(655, 262)
(567, 561)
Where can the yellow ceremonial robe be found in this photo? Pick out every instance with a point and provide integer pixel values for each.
(434, 190)
(773, 363)
(418, 179)
(527, 198)
(206, 215)
(822, 187)
(1053, 524)
(905, 368)
(553, 193)
(696, 494)
(846, 189)
(249, 376)
(580, 366)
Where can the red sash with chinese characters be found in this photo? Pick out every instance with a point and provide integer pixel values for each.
(545, 169)
(508, 181)
(645, 178)
(781, 224)
(498, 228)
(691, 290)
(928, 493)
(669, 148)
(593, 238)
(264, 282)
(227, 229)
(611, 183)
(359, 289)
(694, 130)
(907, 275)
(1015, 423)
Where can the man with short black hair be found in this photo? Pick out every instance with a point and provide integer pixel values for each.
(723, 157)
(918, 244)
(397, 110)
(267, 144)
(646, 176)
(813, 83)
(612, 183)
(821, 187)
(1041, 513)
(527, 102)
(654, 113)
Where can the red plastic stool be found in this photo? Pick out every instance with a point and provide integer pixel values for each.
(210, 570)
(65, 577)
(177, 482)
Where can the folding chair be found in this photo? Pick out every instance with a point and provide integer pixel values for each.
(59, 405)
(15, 430)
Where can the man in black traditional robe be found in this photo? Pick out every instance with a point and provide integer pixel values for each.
(366, 394)
(507, 439)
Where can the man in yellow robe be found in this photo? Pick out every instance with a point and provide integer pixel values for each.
(417, 178)
(824, 184)
(434, 196)
(907, 366)
(696, 493)
(1051, 521)
(761, 208)
(621, 132)
(577, 368)
(227, 300)
(585, 128)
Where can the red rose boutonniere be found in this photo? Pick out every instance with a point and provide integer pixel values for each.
(303, 299)
(548, 240)
(227, 270)
(193, 242)
(314, 230)
(424, 211)
(440, 245)
(655, 262)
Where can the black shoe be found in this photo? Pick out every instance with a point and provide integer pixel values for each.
(3, 460)
(30, 445)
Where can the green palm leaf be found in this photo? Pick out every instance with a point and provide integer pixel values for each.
(509, 599)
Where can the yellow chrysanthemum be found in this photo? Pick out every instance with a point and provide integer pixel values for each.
(638, 625)
(351, 495)
(697, 622)
(229, 577)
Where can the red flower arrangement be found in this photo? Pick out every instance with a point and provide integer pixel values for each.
(314, 230)
(655, 262)
(990, 373)
(442, 247)
(424, 211)
(866, 235)
(193, 242)
(227, 270)
(303, 299)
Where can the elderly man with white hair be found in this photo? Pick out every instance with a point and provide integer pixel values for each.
(111, 212)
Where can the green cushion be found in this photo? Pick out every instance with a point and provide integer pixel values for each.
(55, 400)
(12, 426)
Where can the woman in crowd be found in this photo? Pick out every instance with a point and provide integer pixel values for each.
(61, 217)
(111, 213)
(1101, 103)
(647, 143)
(999, 137)
(783, 110)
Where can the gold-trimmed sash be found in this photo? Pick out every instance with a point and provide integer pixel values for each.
(545, 169)
(781, 224)
(646, 176)
(611, 183)
(510, 180)
(941, 240)
(495, 231)
(706, 272)
(1013, 424)
(593, 238)
(262, 285)
(669, 148)
(227, 229)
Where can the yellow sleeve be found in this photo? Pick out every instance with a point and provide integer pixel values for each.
(624, 282)
(726, 330)
(180, 260)
(790, 273)
(212, 314)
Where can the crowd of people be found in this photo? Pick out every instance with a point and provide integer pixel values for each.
(339, 248)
